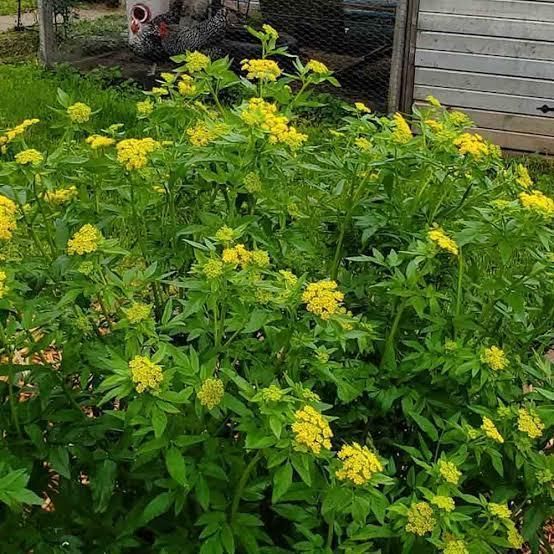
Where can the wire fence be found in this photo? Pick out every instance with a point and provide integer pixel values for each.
(354, 38)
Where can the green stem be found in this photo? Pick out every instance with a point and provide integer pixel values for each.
(389, 343)
(242, 483)
(460, 279)
(331, 532)
(47, 227)
(337, 258)
(13, 407)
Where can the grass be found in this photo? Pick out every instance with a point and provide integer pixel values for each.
(18, 46)
(9, 7)
(28, 90)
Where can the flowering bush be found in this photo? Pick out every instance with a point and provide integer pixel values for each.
(234, 333)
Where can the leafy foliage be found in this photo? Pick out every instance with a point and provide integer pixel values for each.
(220, 334)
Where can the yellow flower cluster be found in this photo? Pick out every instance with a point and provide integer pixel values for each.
(361, 107)
(495, 358)
(145, 374)
(449, 472)
(402, 132)
(455, 546)
(270, 31)
(311, 429)
(435, 126)
(323, 299)
(159, 91)
(500, 510)
(472, 144)
(3, 288)
(264, 70)
(8, 222)
(489, 428)
(253, 183)
(186, 85)
(442, 240)
(225, 234)
(359, 464)
(211, 393)
(202, 134)
(530, 423)
(265, 116)
(537, 202)
(84, 241)
(213, 268)
(522, 177)
(99, 141)
(289, 277)
(240, 255)
(317, 67)
(29, 157)
(433, 101)
(196, 61)
(79, 112)
(137, 312)
(420, 519)
(363, 144)
(272, 394)
(11, 134)
(133, 153)
(145, 108)
(445, 503)
(60, 196)
(514, 537)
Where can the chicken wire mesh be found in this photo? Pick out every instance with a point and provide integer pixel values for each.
(354, 38)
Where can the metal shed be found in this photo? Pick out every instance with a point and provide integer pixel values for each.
(493, 59)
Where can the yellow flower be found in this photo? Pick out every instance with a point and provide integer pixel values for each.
(272, 394)
(495, 358)
(264, 70)
(145, 108)
(459, 119)
(212, 269)
(270, 31)
(145, 374)
(260, 258)
(451, 346)
(363, 144)
(202, 135)
(455, 546)
(168, 77)
(159, 91)
(359, 464)
(137, 312)
(489, 428)
(98, 141)
(514, 537)
(435, 126)
(211, 393)
(196, 61)
(290, 278)
(309, 395)
(433, 101)
(444, 503)
(61, 196)
(323, 298)
(442, 240)
(79, 112)
(10, 134)
(29, 156)
(133, 153)
(317, 67)
(530, 423)
(522, 177)
(449, 472)
(225, 234)
(311, 429)
(472, 144)
(8, 222)
(500, 510)
(420, 519)
(3, 288)
(86, 268)
(361, 107)
(84, 241)
(252, 183)
(237, 255)
(537, 202)
(291, 137)
(186, 85)
(402, 132)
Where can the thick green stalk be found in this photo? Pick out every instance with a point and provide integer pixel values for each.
(242, 483)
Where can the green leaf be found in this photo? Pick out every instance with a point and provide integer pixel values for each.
(176, 465)
(227, 539)
(202, 492)
(159, 421)
(102, 485)
(59, 459)
(301, 464)
(156, 507)
(282, 480)
(425, 425)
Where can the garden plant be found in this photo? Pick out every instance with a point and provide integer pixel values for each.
(235, 331)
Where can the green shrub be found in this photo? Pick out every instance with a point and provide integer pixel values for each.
(223, 335)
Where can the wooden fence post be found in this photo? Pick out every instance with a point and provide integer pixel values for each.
(47, 33)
